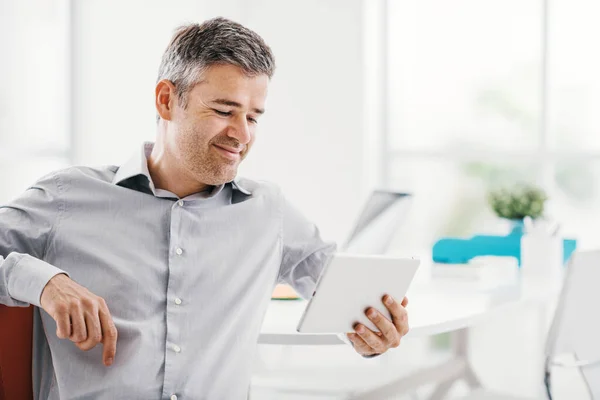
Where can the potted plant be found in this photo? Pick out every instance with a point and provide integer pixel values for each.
(518, 202)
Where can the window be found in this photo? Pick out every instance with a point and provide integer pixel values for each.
(485, 94)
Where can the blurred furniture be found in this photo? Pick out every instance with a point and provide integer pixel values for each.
(437, 306)
(16, 335)
(575, 330)
(574, 338)
(461, 250)
(485, 395)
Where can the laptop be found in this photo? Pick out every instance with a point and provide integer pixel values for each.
(373, 231)
(377, 223)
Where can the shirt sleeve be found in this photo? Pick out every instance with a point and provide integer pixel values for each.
(26, 225)
(304, 253)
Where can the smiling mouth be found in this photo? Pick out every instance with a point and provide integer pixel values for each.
(228, 152)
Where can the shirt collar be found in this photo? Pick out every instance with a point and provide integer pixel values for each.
(138, 165)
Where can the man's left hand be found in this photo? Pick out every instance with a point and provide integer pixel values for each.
(368, 343)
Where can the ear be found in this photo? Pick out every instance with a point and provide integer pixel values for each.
(165, 99)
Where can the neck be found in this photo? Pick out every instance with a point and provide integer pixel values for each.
(168, 174)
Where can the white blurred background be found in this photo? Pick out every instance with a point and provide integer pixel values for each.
(442, 99)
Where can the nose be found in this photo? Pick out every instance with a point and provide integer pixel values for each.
(240, 130)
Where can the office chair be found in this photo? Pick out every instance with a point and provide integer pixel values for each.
(575, 331)
(573, 340)
(16, 336)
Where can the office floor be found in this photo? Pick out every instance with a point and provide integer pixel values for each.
(505, 353)
(566, 387)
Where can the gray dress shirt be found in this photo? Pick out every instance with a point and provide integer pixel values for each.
(187, 280)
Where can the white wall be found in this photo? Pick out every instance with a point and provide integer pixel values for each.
(33, 81)
(33, 102)
(312, 140)
(117, 51)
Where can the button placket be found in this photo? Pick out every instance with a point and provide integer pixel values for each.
(173, 360)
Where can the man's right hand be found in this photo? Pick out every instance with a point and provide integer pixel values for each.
(80, 316)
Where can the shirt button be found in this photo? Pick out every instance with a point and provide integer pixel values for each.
(177, 301)
(180, 202)
(173, 397)
(179, 251)
(176, 349)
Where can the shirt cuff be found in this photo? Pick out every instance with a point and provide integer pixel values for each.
(28, 278)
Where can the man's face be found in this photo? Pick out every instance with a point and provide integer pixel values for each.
(214, 133)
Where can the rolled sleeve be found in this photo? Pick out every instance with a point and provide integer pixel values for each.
(304, 253)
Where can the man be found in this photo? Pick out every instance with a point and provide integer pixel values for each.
(167, 261)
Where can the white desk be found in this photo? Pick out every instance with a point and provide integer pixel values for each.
(438, 306)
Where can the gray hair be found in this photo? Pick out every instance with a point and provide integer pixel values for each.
(196, 47)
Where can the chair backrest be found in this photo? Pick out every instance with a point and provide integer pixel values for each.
(16, 335)
(575, 329)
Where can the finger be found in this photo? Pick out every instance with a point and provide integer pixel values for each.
(63, 323)
(404, 302)
(109, 336)
(390, 335)
(399, 314)
(78, 331)
(375, 342)
(360, 345)
(94, 332)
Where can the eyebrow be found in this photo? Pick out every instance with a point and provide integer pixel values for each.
(231, 103)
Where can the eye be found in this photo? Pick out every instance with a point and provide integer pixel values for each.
(252, 120)
(223, 113)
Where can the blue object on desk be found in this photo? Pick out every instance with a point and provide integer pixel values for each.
(460, 251)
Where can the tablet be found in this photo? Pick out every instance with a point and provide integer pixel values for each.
(350, 284)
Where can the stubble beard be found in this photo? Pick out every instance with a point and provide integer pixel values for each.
(210, 169)
(205, 164)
